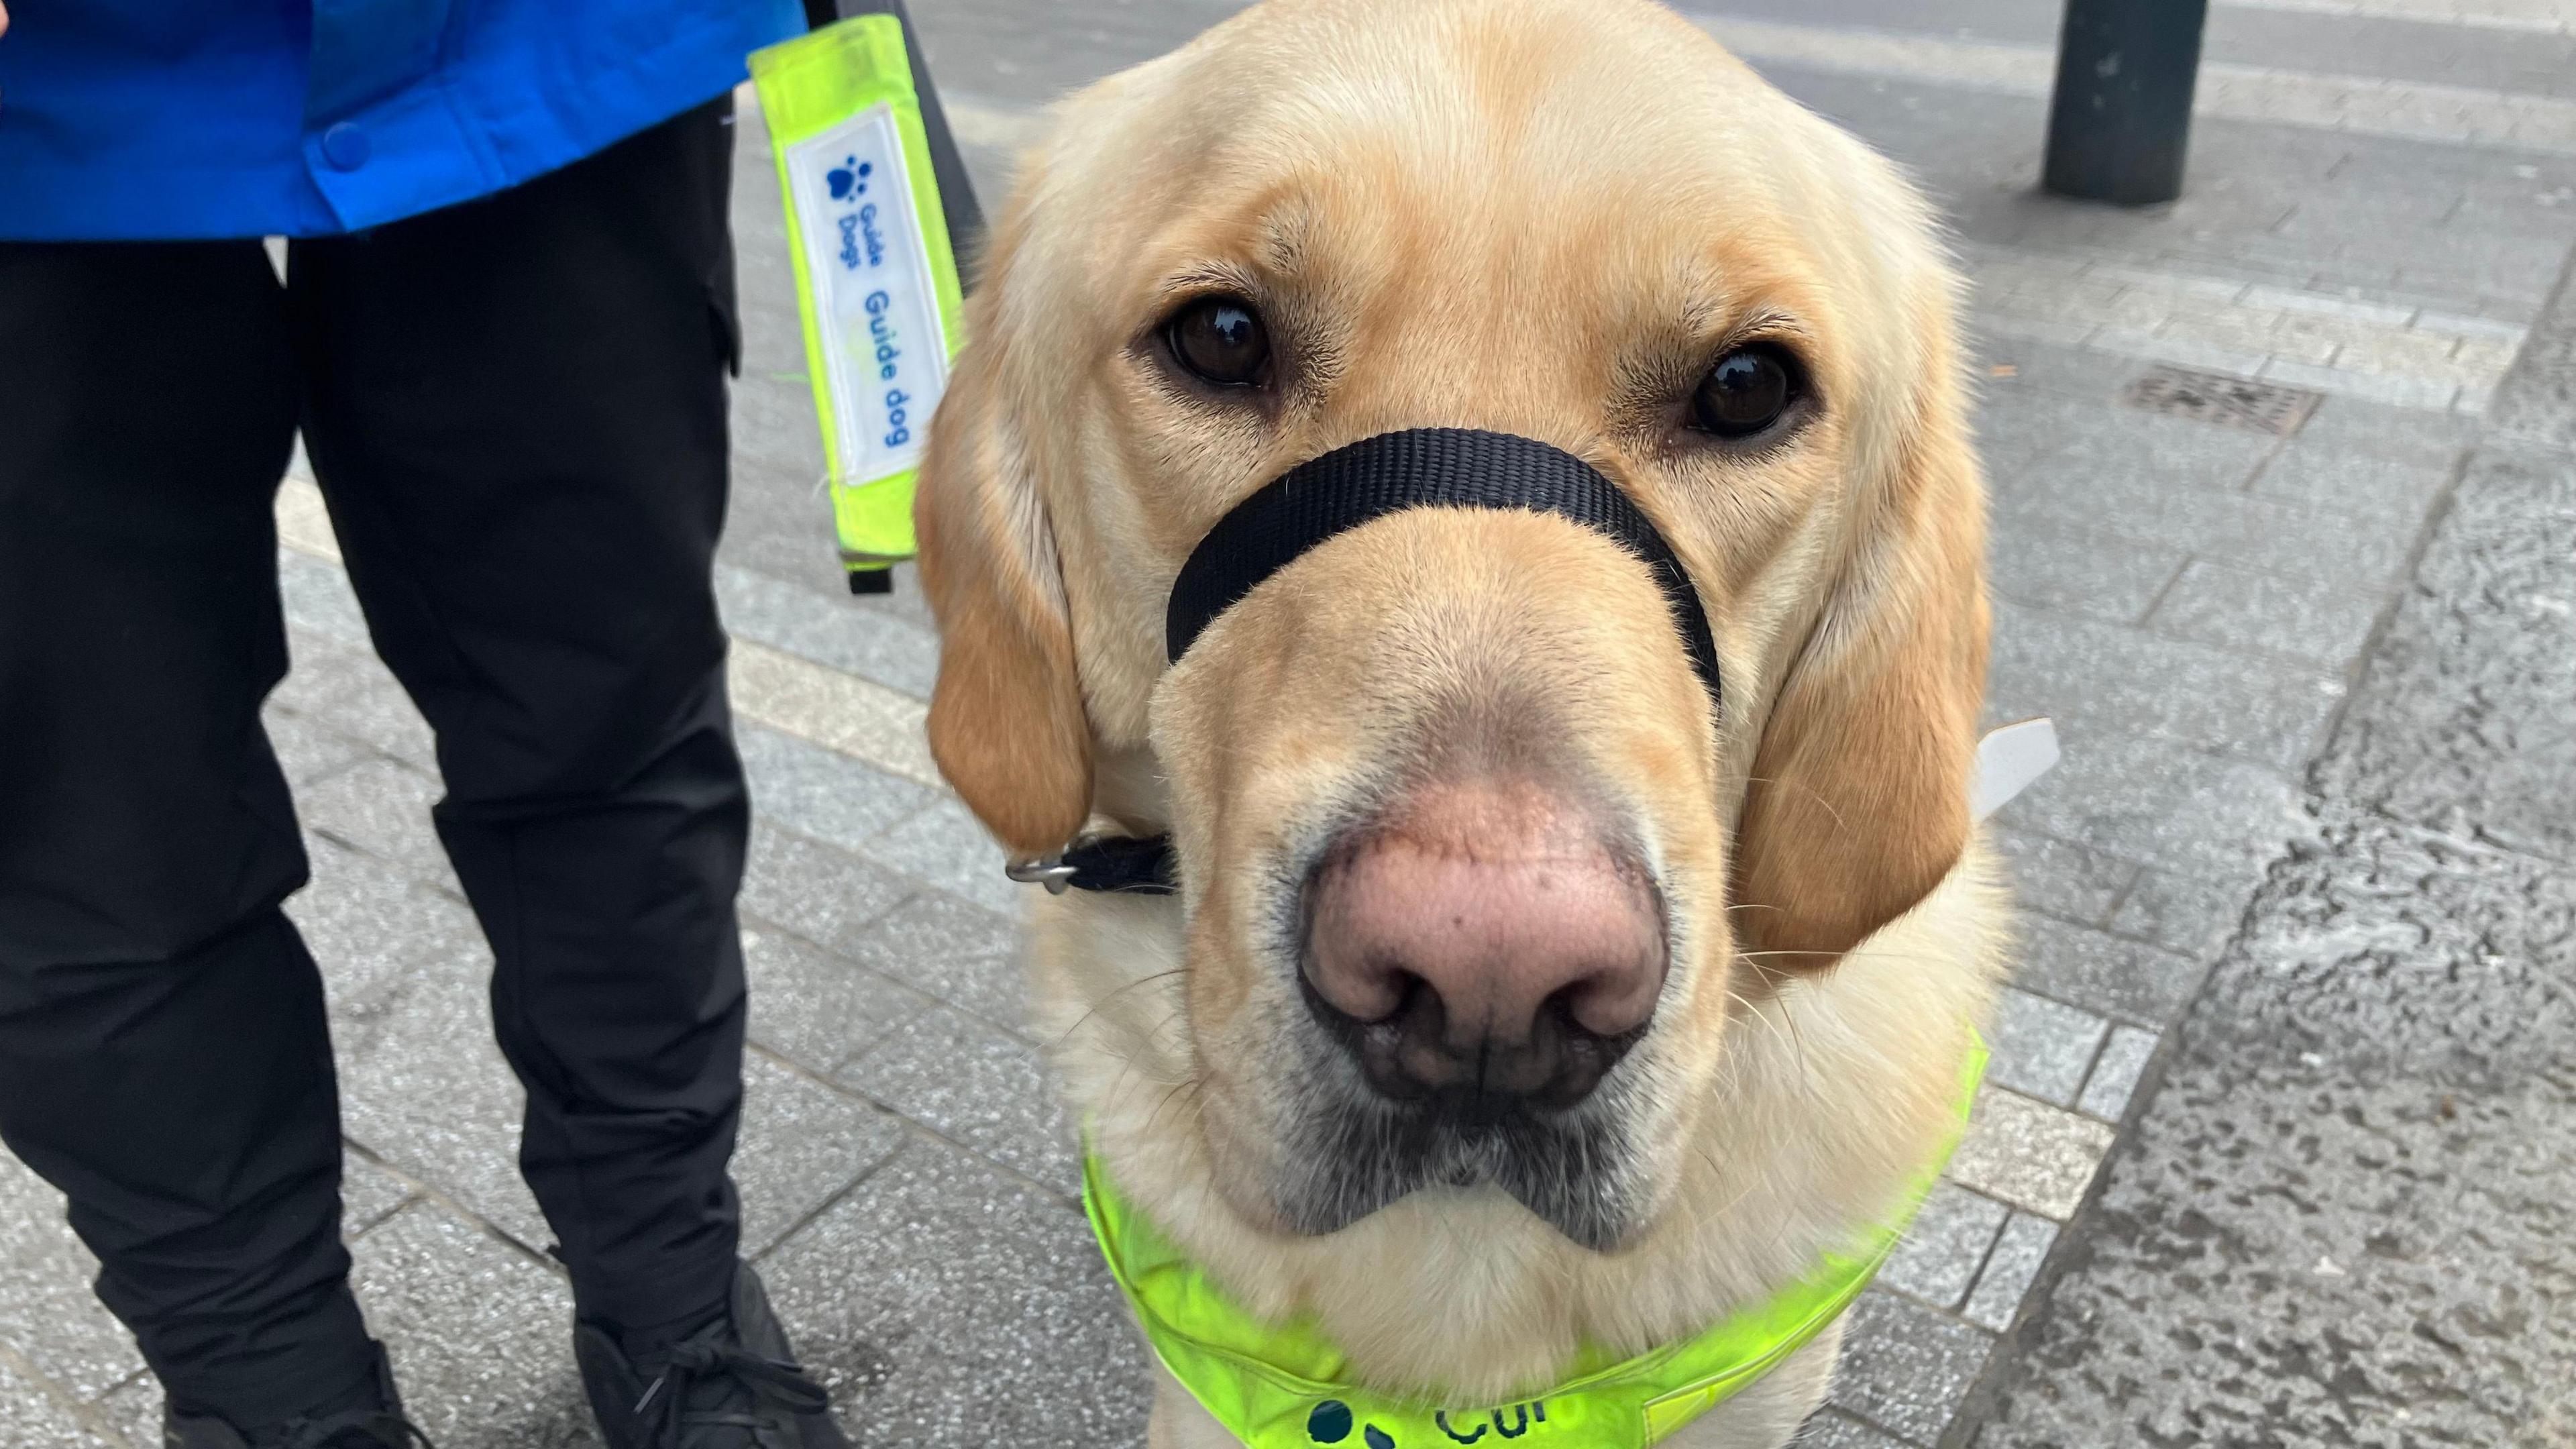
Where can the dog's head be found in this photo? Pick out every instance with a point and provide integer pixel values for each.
(1476, 874)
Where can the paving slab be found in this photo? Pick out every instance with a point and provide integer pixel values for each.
(1939, 1259)
(49, 1319)
(381, 807)
(2110, 975)
(1905, 1368)
(2188, 914)
(2488, 657)
(2042, 1048)
(771, 529)
(956, 951)
(2071, 882)
(480, 1334)
(867, 644)
(818, 1010)
(954, 1306)
(2341, 430)
(372, 928)
(2401, 488)
(944, 846)
(36, 1419)
(134, 1412)
(979, 1087)
(2538, 405)
(2072, 569)
(830, 797)
(2029, 1153)
(803, 1144)
(2157, 801)
(318, 599)
(822, 705)
(2117, 680)
(342, 686)
(2116, 1072)
(308, 750)
(2019, 1251)
(320, 668)
(426, 1092)
(2311, 620)
(825, 895)
(370, 1193)
(376, 711)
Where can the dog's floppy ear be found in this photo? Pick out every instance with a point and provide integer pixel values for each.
(1006, 718)
(1858, 802)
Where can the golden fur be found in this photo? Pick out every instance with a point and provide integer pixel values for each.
(1533, 216)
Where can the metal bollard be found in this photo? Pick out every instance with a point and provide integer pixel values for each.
(956, 190)
(2120, 125)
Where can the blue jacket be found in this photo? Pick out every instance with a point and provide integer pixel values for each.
(130, 119)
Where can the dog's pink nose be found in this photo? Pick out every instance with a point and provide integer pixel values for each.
(1484, 944)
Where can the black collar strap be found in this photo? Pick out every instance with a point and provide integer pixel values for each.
(1141, 865)
(1361, 483)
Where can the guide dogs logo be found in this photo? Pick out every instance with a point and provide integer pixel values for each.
(1331, 1423)
(862, 240)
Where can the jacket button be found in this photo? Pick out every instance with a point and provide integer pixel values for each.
(346, 146)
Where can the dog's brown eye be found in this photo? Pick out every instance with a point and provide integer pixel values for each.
(1221, 341)
(1746, 392)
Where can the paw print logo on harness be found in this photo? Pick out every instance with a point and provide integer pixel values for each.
(1331, 1423)
(849, 179)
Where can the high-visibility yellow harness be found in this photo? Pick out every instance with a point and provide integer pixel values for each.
(1286, 1386)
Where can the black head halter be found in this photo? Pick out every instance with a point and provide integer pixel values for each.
(1358, 484)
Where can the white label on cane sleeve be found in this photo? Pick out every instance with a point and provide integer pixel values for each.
(885, 352)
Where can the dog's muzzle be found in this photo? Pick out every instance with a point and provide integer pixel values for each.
(1358, 484)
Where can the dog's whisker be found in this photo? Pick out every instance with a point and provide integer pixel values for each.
(1177, 1089)
(1811, 791)
(1102, 1004)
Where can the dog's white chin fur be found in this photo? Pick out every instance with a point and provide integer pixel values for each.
(1829, 1099)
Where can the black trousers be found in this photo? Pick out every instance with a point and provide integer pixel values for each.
(516, 410)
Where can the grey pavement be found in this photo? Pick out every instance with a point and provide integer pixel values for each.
(2298, 908)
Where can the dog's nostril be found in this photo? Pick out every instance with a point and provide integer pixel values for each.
(1373, 991)
(1420, 1053)
(1614, 999)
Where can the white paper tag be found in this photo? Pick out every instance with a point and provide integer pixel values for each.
(2009, 758)
(884, 348)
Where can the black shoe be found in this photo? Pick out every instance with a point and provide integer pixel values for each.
(376, 1425)
(731, 1385)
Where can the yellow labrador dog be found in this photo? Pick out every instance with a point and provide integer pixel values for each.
(1535, 985)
